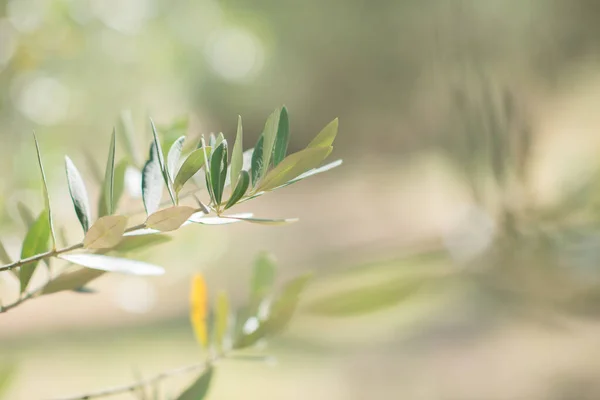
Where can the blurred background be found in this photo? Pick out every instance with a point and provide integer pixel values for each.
(455, 251)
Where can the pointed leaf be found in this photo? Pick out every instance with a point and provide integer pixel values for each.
(240, 189)
(218, 170)
(113, 264)
(36, 242)
(312, 172)
(199, 309)
(190, 167)
(198, 218)
(152, 182)
(169, 219)
(25, 214)
(264, 221)
(207, 170)
(105, 205)
(46, 195)
(212, 140)
(78, 194)
(198, 389)
(293, 166)
(246, 165)
(269, 135)
(283, 137)
(237, 155)
(174, 156)
(219, 140)
(263, 278)
(106, 232)
(222, 318)
(326, 137)
(161, 162)
(127, 130)
(72, 280)
(257, 156)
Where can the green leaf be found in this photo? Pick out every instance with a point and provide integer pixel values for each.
(106, 232)
(240, 189)
(198, 218)
(119, 182)
(169, 219)
(269, 135)
(190, 167)
(293, 166)
(174, 156)
(264, 221)
(46, 195)
(281, 312)
(161, 162)
(219, 139)
(207, 169)
(312, 172)
(237, 155)
(127, 130)
(79, 194)
(72, 280)
(326, 137)
(283, 137)
(105, 205)
(113, 264)
(25, 214)
(263, 278)
(257, 156)
(218, 170)
(152, 182)
(222, 318)
(198, 389)
(36, 242)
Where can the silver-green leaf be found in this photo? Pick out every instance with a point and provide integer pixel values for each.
(113, 264)
(78, 194)
(152, 182)
(105, 206)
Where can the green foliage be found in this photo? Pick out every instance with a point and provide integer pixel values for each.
(106, 203)
(78, 194)
(198, 389)
(36, 242)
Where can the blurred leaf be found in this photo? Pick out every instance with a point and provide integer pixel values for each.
(263, 221)
(366, 298)
(36, 242)
(25, 214)
(152, 182)
(312, 172)
(282, 310)
(263, 278)
(105, 205)
(127, 130)
(84, 290)
(113, 264)
(326, 137)
(283, 137)
(198, 389)
(174, 156)
(293, 166)
(78, 194)
(119, 182)
(212, 140)
(257, 156)
(237, 155)
(169, 219)
(222, 318)
(106, 232)
(199, 309)
(130, 243)
(46, 195)
(190, 167)
(219, 139)
(223, 220)
(4, 257)
(218, 170)
(269, 135)
(161, 162)
(7, 373)
(240, 189)
(72, 280)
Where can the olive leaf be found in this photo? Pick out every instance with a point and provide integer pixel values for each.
(199, 389)
(326, 137)
(161, 162)
(45, 189)
(106, 232)
(269, 136)
(218, 170)
(72, 280)
(79, 194)
(283, 137)
(240, 189)
(152, 182)
(174, 156)
(199, 218)
(256, 163)
(264, 221)
(169, 219)
(105, 205)
(190, 167)
(36, 242)
(113, 264)
(237, 155)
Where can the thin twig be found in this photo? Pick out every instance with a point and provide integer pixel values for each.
(144, 382)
